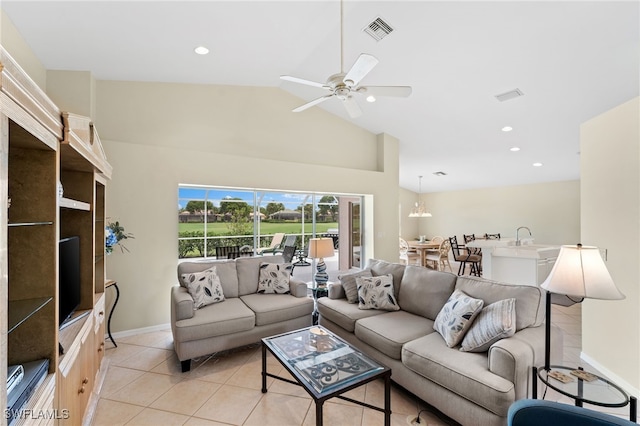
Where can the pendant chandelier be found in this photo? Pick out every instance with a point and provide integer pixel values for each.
(419, 210)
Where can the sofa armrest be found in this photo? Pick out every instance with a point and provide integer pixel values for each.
(298, 288)
(512, 358)
(182, 306)
(336, 291)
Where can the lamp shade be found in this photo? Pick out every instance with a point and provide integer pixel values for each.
(320, 247)
(580, 271)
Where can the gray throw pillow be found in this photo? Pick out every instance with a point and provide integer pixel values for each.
(494, 322)
(377, 293)
(350, 286)
(204, 287)
(274, 278)
(456, 317)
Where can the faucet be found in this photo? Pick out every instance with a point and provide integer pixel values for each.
(518, 242)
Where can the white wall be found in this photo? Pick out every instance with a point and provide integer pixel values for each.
(550, 210)
(610, 164)
(159, 135)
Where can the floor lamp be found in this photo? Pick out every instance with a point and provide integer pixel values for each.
(579, 273)
(319, 248)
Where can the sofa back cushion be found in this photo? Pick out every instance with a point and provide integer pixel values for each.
(249, 271)
(382, 267)
(226, 270)
(425, 291)
(529, 299)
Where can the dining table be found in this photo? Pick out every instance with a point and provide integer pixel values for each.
(422, 247)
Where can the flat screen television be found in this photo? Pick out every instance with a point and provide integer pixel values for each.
(68, 278)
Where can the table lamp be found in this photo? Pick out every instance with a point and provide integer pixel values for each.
(319, 248)
(579, 273)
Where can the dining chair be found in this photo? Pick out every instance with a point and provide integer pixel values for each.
(437, 239)
(462, 256)
(492, 236)
(440, 258)
(408, 256)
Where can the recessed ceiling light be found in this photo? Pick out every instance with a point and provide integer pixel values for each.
(514, 149)
(537, 164)
(507, 128)
(201, 50)
(371, 98)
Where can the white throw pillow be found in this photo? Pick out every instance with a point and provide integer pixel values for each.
(274, 278)
(376, 293)
(204, 287)
(494, 322)
(456, 316)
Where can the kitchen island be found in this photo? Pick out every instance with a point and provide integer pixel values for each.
(526, 264)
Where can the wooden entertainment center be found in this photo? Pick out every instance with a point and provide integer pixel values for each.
(39, 146)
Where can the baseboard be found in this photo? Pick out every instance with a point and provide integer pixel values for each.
(631, 390)
(136, 331)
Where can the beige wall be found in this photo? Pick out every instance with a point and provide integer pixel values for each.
(15, 45)
(550, 210)
(610, 164)
(159, 135)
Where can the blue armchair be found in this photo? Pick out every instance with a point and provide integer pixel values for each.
(534, 412)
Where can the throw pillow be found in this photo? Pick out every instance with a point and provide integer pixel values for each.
(376, 293)
(350, 286)
(456, 316)
(274, 278)
(494, 322)
(204, 287)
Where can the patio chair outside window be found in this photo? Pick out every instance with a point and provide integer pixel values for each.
(275, 244)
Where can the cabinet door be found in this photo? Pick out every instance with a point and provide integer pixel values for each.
(98, 338)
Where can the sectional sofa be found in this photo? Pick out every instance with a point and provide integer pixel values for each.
(473, 387)
(240, 313)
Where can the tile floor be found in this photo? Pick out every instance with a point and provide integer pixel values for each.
(144, 386)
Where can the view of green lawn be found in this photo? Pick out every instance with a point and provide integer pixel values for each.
(266, 228)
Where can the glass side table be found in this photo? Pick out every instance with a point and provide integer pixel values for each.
(598, 391)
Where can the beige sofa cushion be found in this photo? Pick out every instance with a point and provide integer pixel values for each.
(387, 333)
(424, 291)
(226, 270)
(529, 299)
(273, 308)
(227, 317)
(249, 271)
(382, 267)
(343, 313)
(464, 373)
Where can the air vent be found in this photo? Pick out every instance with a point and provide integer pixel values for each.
(378, 29)
(511, 94)
(439, 173)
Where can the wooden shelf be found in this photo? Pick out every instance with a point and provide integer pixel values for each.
(68, 203)
(21, 310)
(12, 225)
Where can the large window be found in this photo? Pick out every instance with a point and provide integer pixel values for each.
(210, 219)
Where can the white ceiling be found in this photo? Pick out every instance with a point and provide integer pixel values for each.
(572, 60)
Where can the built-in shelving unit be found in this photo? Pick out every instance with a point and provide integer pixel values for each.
(41, 146)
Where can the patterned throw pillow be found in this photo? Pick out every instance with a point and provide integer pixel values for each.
(494, 322)
(274, 278)
(376, 293)
(456, 316)
(204, 287)
(350, 286)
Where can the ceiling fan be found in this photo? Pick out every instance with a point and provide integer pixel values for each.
(344, 85)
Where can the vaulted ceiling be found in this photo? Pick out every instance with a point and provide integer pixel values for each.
(570, 60)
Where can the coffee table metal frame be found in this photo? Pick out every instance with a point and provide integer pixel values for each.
(336, 391)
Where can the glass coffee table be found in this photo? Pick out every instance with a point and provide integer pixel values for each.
(325, 366)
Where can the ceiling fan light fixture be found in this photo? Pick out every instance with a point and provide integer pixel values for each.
(419, 209)
(371, 98)
(201, 50)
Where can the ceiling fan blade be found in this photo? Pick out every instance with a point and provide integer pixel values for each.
(364, 64)
(397, 91)
(301, 81)
(312, 103)
(352, 107)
